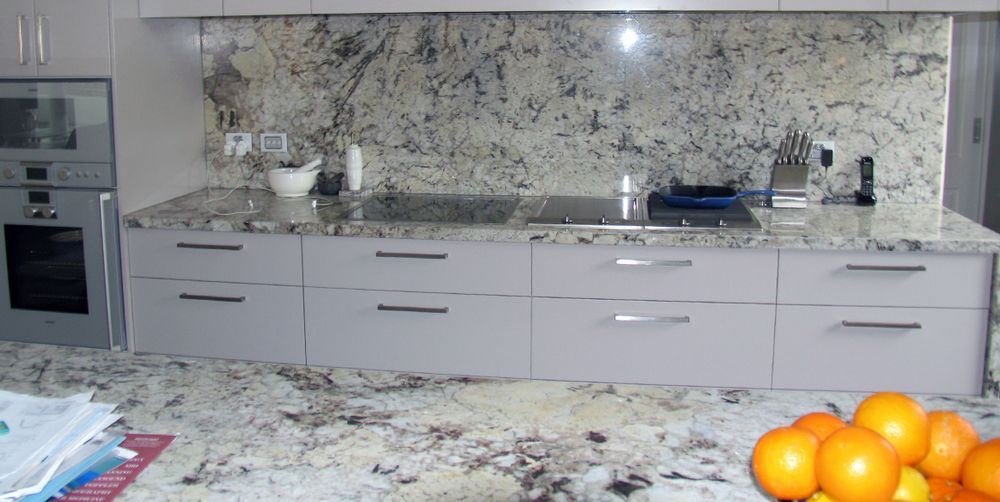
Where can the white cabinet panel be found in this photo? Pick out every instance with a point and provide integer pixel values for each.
(654, 273)
(494, 268)
(76, 37)
(942, 6)
(724, 345)
(814, 350)
(377, 6)
(17, 40)
(216, 256)
(884, 279)
(265, 7)
(230, 321)
(461, 334)
(834, 5)
(180, 8)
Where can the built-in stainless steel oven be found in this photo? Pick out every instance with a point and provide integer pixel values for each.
(59, 259)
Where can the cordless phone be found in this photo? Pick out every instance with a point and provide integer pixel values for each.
(866, 196)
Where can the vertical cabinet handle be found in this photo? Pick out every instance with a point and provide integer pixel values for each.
(21, 58)
(42, 33)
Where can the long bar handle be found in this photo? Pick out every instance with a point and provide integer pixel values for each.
(422, 310)
(21, 58)
(41, 32)
(654, 263)
(885, 325)
(420, 256)
(218, 247)
(210, 298)
(888, 268)
(649, 318)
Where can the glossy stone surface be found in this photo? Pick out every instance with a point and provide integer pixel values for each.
(570, 103)
(251, 431)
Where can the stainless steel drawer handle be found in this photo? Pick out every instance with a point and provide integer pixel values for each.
(886, 325)
(42, 32)
(21, 58)
(888, 268)
(208, 298)
(220, 247)
(422, 310)
(654, 263)
(421, 256)
(651, 318)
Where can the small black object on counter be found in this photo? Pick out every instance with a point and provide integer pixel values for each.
(329, 184)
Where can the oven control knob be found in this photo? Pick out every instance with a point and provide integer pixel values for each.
(8, 172)
(48, 212)
(30, 212)
(63, 174)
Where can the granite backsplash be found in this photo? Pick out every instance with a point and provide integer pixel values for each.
(557, 103)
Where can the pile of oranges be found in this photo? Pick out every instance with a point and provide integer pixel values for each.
(892, 450)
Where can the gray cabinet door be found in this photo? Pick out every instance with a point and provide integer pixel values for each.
(386, 330)
(265, 7)
(75, 38)
(814, 350)
(180, 8)
(229, 321)
(17, 40)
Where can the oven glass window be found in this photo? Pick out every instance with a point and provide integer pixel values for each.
(38, 123)
(45, 268)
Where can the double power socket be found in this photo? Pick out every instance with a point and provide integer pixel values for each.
(241, 143)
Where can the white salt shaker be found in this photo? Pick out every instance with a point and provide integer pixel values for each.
(353, 171)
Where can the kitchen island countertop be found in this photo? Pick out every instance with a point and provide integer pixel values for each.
(253, 431)
(885, 227)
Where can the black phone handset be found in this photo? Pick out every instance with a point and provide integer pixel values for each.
(866, 196)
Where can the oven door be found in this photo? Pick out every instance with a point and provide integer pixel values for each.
(55, 121)
(60, 269)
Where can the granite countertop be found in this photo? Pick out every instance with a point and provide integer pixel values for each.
(263, 431)
(885, 227)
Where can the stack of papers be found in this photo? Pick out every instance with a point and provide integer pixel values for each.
(49, 442)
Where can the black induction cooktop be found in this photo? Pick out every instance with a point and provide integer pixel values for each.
(639, 213)
(432, 208)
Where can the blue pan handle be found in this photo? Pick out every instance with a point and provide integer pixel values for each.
(772, 193)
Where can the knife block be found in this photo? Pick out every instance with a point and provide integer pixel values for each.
(789, 182)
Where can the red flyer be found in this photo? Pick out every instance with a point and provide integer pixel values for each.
(107, 486)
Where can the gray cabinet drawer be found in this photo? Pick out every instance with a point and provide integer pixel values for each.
(654, 273)
(479, 335)
(265, 326)
(490, 268)
(216, 256)
(814, 350)
(884, 279)
(724, 345)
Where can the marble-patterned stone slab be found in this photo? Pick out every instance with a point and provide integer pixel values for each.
(252, 431)
(570, 103)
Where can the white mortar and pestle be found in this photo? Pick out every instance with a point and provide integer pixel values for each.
(294, 181)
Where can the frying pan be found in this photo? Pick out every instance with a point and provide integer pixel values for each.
(703, 196)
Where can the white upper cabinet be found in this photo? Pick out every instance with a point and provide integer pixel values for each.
(942, 6)
(55, 38)
(17, 43)
(834, 5)
(180, 8)
(381, 6)
(265, 7)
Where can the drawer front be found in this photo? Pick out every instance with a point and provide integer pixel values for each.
(718, 345)
(814, 350)
(884, 279)
(265, 326)
(491, 268)
(216, 256)
(479, 335)
(655, 273)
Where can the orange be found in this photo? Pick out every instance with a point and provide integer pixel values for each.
(784, 462)
(981, 469)
(912, 487)
(856, 464)
(942, 489)
(821, 424)
(952, 438)
(967, 495)
(899, 419)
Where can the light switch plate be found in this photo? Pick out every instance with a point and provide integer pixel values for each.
(274, 142)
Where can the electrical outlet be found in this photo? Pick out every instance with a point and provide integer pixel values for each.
(274, 142)
(238, 143)
(818, 147)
